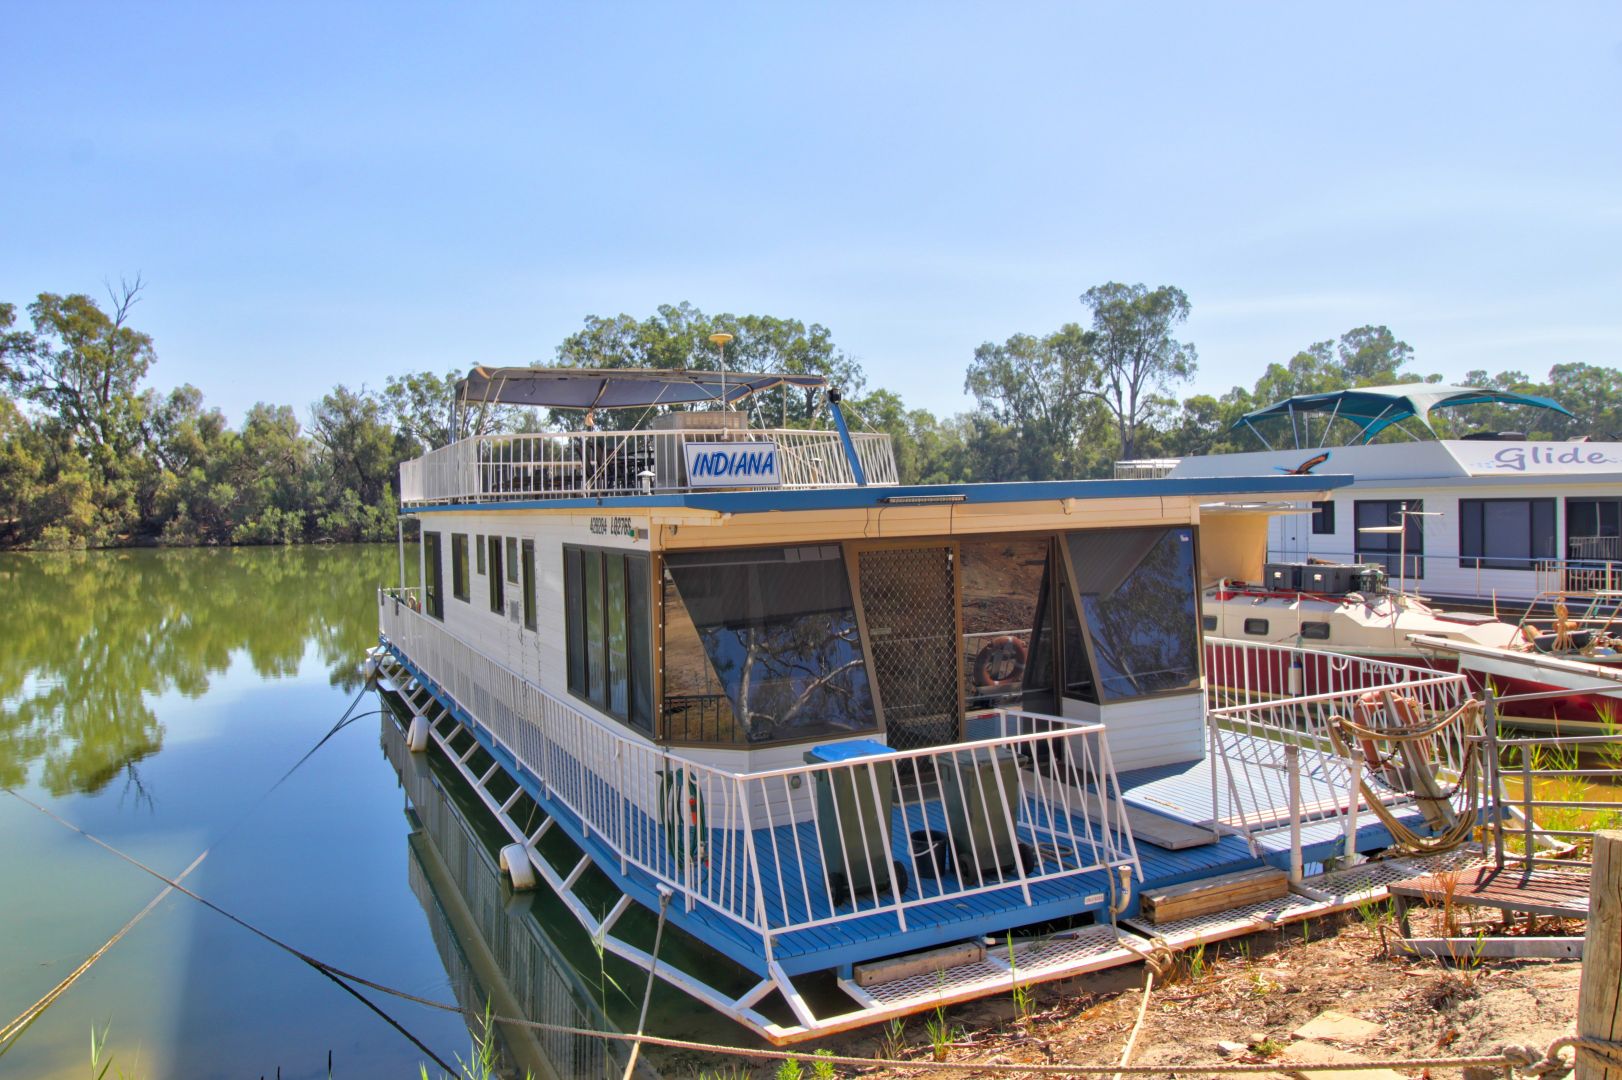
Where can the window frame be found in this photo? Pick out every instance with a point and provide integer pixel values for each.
(461, 580)
(1415, 545)
(1323, 517)
(510, 560)
(433, 574)
(526, 586)
(1476, 533)
(577, 643)
(478, 559)
(496, 579)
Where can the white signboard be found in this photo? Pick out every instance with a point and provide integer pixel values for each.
(1537, 458)
(744, 464)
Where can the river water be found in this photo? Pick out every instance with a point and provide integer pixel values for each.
(154, 698)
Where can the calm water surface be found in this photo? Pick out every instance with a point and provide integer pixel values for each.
(153, 698)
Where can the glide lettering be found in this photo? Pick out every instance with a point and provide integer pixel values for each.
(1518, 458)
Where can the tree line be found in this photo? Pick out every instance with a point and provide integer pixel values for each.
(92, 456)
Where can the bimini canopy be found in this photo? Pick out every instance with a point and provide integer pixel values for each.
(1375, 408)
(615, 388)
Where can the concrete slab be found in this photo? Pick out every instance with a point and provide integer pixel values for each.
(1336, 1027)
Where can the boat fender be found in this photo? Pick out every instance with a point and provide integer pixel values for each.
(516, 865)
(368, 670)
(1297, 676)
(417, 734)
(1005, 654)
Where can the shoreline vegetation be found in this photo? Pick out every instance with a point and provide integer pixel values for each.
(91, 456)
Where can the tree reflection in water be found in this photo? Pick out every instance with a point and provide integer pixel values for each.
(91, 637)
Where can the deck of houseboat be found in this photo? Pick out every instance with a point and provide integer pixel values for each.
(758, 891)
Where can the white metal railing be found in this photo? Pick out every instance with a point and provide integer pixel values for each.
(561, 465)
(1268, 718)
(1145, 468)
(1037, 799)
(1579, 575)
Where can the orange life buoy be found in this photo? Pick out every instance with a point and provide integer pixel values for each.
(1002, 654)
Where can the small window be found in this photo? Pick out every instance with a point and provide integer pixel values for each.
(1323, 518)
(527, 586)
(433, 582)
(478, 545)
(1505, 534)
(1256, 626)
(1209, 622)
(512, 560)
(498, 596)
(460, 587)
(1315, 631)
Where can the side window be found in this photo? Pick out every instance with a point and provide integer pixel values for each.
(432, 580)
(1315, 631)
(1323, 518)
(478, 545)
(606, 609)
(1256, 626)
(512, 560)
(460, 586)
(498, 596)
(527, 585)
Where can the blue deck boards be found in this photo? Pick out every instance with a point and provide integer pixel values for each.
(793, 888)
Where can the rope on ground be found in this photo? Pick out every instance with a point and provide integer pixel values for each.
(1526, 1058)
(25, 1019)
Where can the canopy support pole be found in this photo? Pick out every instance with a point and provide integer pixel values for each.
(844, 437)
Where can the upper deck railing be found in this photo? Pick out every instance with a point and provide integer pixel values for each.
(496, 468)
(1145, 468)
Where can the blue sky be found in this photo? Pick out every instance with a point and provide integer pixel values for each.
(340, 192)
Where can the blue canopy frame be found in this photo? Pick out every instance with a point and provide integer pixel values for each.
(1375, 408)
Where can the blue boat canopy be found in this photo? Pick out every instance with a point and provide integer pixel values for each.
(1375, 408)
(616, 388)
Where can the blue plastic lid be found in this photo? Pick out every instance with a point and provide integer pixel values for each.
(845, 751)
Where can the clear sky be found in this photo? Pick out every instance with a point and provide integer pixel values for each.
(339, 192)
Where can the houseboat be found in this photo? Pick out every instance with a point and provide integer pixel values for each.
(835, 732)
(1493, 516)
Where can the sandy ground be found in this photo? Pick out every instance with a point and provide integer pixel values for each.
(1254, 991)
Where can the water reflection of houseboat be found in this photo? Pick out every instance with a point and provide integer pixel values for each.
(822, 720)
(498, 955)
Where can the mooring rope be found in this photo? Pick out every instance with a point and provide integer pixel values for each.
(647, 991)
(26, 1018)
(1464, 823)
(1527, 1058)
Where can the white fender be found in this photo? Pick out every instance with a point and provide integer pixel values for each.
(417, 734)
(516, 865)
(368, 669)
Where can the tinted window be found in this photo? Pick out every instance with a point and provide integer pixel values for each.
(1140, 603)
(527, 561)
(778, 633)
(1002, 585)
(1323, 517)
(1209, 622)
(498, 600)
(574, 617)
(433, 580)
(512, 560)
(1256, 626)
(606, 617)
(1505, 534)
(1386, 548)
(459, 581)
(478, 544)
(1315, 631)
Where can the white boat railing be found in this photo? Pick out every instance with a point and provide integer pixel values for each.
(1269, 704)
(1036, 800)
(492, 468)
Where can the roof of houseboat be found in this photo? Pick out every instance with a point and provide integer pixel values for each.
(880, 496)
(1375, 408)
(617, 388)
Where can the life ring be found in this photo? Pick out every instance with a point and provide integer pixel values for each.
(1001, 653)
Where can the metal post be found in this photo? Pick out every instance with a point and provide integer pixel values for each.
(1526, 800)
(1352, 801)
(1494, 786)
(1292, 765)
